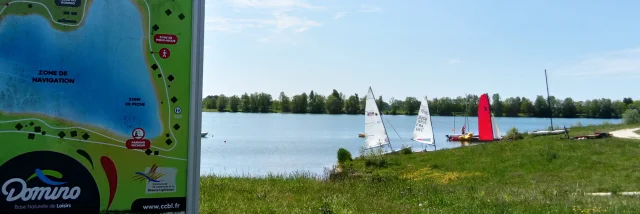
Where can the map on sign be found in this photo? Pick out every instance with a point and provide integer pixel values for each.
(94, 105)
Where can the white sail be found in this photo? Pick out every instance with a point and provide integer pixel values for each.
(375, 132)
(496, 129)
(423, 131)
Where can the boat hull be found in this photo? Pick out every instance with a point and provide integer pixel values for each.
(554, 132)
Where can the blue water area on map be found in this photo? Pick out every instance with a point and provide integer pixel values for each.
(104, 57)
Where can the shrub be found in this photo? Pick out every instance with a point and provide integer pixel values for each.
(513, 134)
(631, 116)
(344, 155)
(405, 150)
(376, 162)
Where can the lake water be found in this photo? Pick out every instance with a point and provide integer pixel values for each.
(107, 64)
(259, 144)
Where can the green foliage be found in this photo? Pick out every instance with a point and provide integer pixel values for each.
(299, 103)
(222, 103)
(337, 103)
(285, 104)
(344, 155)
(406, 151)
(411, 105)
(234, 103)
(631, 116)
(513, 134)
(352, 105)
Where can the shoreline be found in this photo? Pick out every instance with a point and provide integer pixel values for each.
(411, 115)
(86, 5)
(68, 123)
(162, 113)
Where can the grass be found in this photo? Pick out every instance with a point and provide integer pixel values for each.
(538, 174)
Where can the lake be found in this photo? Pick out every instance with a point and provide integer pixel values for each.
(108, 67)
(259, 144)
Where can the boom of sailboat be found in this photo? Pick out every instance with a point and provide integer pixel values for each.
(376, 135)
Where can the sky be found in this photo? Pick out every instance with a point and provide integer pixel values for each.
(590, 49)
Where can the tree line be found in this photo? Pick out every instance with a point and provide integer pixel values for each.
(338, 103)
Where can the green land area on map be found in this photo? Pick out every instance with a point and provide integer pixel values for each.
(122, 82)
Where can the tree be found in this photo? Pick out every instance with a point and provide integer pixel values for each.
(526, 107)
(396, 105)
(496, 105)
(222, 103)
(285, 106)
(606, 108)
(541, 107)
(411, 105)
(318, 106)
(631, 116)
(627, 101)
(335, 103)
(299, 103)
(245, 103)
(619, 108)
(234, 102)
(352, 105)
(569, 108)
(381, 104)
(210, 102)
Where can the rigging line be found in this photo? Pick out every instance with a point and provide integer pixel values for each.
(394, 129)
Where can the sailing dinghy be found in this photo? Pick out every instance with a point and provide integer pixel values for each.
(488, 129)
(374, 128)
(423, 131)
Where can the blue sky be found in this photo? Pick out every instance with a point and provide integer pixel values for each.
(591, 49)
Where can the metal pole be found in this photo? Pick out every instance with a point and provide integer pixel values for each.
(549, 99)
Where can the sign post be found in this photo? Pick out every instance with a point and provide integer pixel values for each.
(100, 106)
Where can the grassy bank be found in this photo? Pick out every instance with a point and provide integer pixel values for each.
(537, 174)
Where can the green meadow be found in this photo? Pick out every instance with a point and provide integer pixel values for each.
(546, 174)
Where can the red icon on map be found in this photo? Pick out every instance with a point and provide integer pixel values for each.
(165, 39)
(138, 141)
(164, 53)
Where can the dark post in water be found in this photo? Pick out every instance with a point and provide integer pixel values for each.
(549, 100)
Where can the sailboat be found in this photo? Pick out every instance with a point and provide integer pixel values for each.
(374, 128)
(423, 131)
(488, 129)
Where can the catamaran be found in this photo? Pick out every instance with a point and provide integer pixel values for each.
(423, 131)
(374, 128)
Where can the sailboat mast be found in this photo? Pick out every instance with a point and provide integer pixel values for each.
(433, 135)
(379, 110)
(549, 99)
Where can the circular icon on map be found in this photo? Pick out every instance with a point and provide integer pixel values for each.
(164, 53)
(138, 133)
(177, 110)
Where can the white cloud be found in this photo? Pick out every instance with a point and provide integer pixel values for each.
(339, 15)
(366, 8)
(278, 23)
(615, 63)
(274, 4)
(454, 61)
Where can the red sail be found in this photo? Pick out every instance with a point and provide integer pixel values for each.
(485, 128)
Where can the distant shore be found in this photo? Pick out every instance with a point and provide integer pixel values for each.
(401, 114)
(338, 103)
